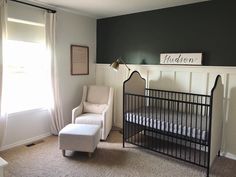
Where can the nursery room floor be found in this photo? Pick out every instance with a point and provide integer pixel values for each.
(109, 160)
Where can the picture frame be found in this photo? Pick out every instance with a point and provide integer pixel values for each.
(79, 59)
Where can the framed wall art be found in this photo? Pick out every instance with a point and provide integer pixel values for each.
(79, 60)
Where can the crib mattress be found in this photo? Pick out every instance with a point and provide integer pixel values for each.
(171, 121)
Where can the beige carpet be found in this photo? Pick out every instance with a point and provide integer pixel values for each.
(109, 160)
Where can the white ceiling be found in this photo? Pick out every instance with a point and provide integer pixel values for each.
(109, 8)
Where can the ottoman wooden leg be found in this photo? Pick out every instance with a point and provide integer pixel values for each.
(64, 152)
(90, 154)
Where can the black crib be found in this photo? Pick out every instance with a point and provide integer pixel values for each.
(176, 124)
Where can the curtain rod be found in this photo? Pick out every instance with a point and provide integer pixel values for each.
(40, 7)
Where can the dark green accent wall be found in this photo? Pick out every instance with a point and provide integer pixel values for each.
(207, 27)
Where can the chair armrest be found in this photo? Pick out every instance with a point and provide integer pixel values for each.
(109, 109)
(76, 112)
(107, 116)
(106, 110)
(108, 113)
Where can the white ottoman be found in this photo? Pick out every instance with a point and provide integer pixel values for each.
(3, 163)
(79, 137)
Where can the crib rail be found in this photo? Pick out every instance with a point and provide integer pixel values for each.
(172, 123)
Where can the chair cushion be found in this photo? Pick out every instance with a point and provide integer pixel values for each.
(90, 118)
(98, 94)
(94, 108)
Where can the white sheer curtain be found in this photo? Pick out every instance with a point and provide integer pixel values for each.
(3, 36)
(56, 108)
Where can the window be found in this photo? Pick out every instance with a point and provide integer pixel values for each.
(27, 69)
(27, 76)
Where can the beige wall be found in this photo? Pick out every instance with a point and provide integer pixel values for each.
(74, 29)
(196, 79)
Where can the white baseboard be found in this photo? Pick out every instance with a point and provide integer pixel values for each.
(229, 155)
(27, 141)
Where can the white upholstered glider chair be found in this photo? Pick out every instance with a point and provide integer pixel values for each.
(96, 107)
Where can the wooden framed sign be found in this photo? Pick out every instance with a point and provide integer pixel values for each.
(181, 58)
(79, 60)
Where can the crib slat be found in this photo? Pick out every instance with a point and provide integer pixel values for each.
(149, 118)
(164, 111)
(196, 123)
(156, 106)
(206, 130)
(191, 131)
(186, 129)
(153, 138)
(177, 126)
(172, 122)
(168, 119)
(181, 125)
(128, 109)
(159, 107)
(161, 120)
(136, 116)
(201, 112)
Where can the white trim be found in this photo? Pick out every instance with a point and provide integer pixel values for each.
(228, 155)
(27, 141)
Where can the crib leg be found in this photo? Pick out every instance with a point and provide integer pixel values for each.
(123, 137)
(218, 153)
(208, 171)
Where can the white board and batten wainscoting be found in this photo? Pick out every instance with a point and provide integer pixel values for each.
(195, 79)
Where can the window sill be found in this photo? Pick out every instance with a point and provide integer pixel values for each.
(29, 111)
